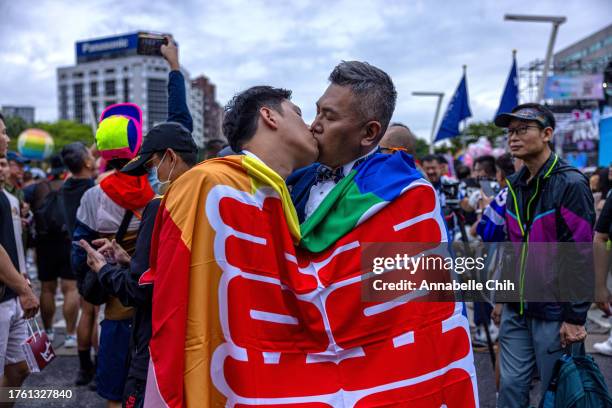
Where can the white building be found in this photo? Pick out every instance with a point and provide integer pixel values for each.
(110, 70)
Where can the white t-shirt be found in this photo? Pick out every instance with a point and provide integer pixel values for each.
(16, 215)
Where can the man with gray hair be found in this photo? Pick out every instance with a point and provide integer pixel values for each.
(352, 116)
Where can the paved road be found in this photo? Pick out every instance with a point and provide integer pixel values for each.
(61, 373)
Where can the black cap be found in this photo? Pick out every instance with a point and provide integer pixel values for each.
(540, 115)
(167, 135)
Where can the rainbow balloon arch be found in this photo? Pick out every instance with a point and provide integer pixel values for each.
(35, 144)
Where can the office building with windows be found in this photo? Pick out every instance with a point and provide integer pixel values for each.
(113, 70)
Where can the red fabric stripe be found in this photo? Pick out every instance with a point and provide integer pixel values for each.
(170, 300)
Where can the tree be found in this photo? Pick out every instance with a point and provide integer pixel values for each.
(421, 148)
(62, 131)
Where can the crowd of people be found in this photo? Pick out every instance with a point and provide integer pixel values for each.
(104, 217)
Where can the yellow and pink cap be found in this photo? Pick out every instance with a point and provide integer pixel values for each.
(119, 133)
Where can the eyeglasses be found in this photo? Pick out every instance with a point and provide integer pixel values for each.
(520, 130)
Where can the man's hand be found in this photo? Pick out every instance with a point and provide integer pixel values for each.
(571, 333)
(95, 260)
(29, 303)
(170, 53)
(496, 314)
(111, 249)
(603, 299)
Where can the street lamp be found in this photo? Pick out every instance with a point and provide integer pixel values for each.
(440, 95)
(556, 22)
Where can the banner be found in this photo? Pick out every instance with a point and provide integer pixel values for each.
(565, 87)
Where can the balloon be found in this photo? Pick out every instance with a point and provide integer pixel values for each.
(35, 144)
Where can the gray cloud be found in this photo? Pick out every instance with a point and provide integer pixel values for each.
(295, 44)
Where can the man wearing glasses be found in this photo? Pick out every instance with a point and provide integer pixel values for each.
(548, 201)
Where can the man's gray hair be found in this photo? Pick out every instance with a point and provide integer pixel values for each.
(373, 87)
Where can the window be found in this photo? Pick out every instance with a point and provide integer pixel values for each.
(109, 103)
(109, 71)
(110, 87)
(63, 94)
(77, 75)
(77, 90)
(126, 90)
(94, 107)
(93, 72)
(93, 88)
(157, 101)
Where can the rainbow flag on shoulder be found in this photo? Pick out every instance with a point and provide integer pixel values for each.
(252, 309)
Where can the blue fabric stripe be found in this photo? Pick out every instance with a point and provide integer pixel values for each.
(386, 175)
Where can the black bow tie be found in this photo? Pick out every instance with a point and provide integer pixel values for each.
(324, 173)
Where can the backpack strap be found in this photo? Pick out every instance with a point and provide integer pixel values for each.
(125, 222)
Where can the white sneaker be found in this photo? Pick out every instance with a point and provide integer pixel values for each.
(50, 335)
(70, 341)
(605, 347)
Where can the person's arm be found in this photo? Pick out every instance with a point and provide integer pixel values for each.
(122, 282)
(578, 213)
(18, 283)
(602, 257)
(178, 111)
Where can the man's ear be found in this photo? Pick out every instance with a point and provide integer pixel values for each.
(548, 134)
(372, 133)
(268, 116)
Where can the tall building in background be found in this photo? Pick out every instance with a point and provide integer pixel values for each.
(110, 70)
(24, 112)
(212, 110)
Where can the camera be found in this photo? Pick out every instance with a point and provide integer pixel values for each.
(150, 44)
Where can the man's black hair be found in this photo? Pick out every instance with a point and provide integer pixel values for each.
(117, 164)
(488, 162)
(73, 156)
(242, 112)
(2, 118)
(376, 94)
(550, 118)
(431, 157)
(505, 164)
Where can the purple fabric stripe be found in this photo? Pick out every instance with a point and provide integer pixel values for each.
(514, 231)
(544, 229)
(580, 228)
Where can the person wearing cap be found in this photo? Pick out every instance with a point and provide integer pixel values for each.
(17, 163)
(169, 150)
(548, 201)
(52, 247)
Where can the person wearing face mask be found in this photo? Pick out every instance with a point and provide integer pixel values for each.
(168, 151)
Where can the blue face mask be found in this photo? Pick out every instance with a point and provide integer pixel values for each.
(153, 180)
(163, 185)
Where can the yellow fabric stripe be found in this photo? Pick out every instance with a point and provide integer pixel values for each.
(112, 133)
(262, 175)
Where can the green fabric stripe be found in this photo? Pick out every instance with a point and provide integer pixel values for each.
(337, 215)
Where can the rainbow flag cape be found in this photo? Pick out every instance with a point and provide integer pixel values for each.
(249, 309)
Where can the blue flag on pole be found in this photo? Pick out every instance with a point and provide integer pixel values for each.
(457, 110)
(510, 98)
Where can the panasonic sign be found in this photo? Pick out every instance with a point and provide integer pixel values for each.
(106, 47)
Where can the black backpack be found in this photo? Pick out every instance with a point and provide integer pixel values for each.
(49, 211)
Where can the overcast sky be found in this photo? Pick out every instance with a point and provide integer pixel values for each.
(295, 44)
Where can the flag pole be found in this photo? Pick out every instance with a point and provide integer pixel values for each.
(464, 144)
